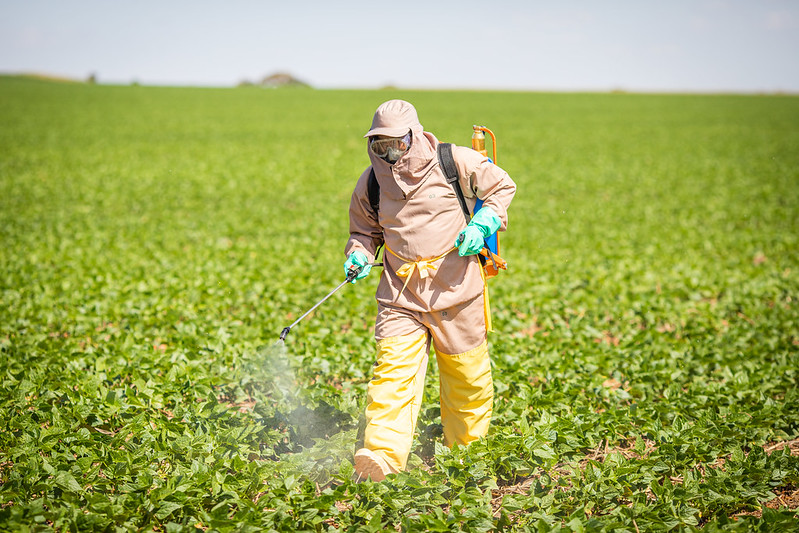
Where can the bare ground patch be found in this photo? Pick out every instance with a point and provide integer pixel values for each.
(792, 445)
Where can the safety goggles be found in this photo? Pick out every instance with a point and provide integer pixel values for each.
(381, 146)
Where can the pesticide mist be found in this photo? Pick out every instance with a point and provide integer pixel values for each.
(319, 438)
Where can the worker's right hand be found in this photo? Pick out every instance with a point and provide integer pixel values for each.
(357, 261)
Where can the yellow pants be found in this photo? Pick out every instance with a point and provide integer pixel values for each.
(396, 390)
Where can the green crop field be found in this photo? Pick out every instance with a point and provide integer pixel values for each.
(155, 241)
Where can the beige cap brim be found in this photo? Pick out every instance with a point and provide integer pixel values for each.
(388, 132)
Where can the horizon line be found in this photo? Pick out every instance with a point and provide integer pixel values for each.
(244, 84)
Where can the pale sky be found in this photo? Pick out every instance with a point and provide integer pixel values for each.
(636, 45)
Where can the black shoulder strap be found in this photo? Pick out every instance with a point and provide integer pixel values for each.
(373, 188)
(447, 163)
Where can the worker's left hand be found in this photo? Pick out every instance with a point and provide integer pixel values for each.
(470, 241)
(483, 224)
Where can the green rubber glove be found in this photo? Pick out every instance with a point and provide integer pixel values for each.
(357, 261)
(483, 224)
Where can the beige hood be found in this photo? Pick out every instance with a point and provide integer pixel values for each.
(395, 118)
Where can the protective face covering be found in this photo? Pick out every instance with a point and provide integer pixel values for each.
(390, 149)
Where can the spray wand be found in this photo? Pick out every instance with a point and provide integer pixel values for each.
(351, 274)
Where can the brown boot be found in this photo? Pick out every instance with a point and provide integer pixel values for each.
(368, 465)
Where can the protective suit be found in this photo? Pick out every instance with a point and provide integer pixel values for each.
(427, 291)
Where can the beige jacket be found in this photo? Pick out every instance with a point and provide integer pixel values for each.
(420, 218)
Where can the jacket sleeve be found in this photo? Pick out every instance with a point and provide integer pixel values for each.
(366, 234)
(481, 178)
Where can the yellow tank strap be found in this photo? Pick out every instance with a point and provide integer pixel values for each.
(486, 304)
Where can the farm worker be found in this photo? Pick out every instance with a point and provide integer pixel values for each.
(432, 288)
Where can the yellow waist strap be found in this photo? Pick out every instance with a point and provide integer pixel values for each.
(423, 266)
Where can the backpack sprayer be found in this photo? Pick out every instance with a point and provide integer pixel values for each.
(491, 251)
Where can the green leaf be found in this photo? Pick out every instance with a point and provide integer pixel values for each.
(544, 452)
(67, 482)
(167, 508)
